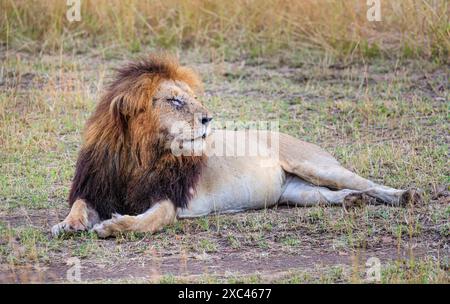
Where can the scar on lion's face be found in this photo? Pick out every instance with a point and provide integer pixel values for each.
(181, 114)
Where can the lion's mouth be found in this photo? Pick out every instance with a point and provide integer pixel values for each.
(206, 132)
(202, 137)
(199, 135)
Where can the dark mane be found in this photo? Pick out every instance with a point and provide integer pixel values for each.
(124, 167)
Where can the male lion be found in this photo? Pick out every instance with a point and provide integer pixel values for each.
(128, 177)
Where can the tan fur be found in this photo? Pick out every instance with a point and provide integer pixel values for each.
(80, 218)
(153, 220)
(317, 166)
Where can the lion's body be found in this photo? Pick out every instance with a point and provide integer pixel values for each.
(231, 183)
(133, 161)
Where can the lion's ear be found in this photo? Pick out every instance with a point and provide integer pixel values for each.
(118, 112)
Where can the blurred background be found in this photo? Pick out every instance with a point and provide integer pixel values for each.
(231, 29)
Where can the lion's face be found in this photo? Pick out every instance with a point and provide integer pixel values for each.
(185, 121)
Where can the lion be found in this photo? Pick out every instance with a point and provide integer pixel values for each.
(136, 170)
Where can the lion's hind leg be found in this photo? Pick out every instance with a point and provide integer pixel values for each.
(155, 218)
(310, 163)
(80, 218)
(301, 193)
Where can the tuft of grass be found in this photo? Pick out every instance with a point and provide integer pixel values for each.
(416, 272)
(206, 245)
(290, 241)
(233, 241)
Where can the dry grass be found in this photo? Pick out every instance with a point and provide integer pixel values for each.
(409, 28)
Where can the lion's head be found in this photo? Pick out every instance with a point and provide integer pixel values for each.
(127, 161)
(155, 95)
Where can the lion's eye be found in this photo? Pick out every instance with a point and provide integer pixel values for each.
(176, 101)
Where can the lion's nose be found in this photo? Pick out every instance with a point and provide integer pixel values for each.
(205, 120)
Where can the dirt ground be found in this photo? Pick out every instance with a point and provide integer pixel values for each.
(386, 120)
(191, 253)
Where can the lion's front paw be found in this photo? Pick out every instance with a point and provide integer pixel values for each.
(117, 224)
(68, 226)
(102, 229)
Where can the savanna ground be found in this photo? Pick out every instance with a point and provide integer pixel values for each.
(385, 117)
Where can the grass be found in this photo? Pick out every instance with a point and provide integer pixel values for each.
(233, 29)
(376, 97)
